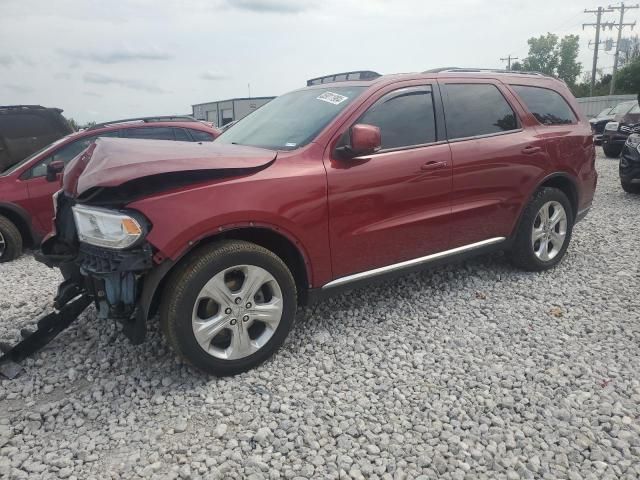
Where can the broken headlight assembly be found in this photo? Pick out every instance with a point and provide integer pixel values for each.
(108, 228)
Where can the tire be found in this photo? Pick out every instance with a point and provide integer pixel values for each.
(529, 254)
(243, 339)
(611, 151)
(630, 187)
(10, 241)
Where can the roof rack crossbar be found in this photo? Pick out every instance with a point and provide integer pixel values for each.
(344, 76)
(165, 118)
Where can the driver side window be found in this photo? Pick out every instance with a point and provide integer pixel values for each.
(406, 118)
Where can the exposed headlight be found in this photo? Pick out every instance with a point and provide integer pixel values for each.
(106, 228)
(633, 141)
(612, 126)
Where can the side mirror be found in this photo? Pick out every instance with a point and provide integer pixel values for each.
(53, 169)
(365, 139)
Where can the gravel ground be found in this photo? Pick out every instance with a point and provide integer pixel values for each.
(470, 371)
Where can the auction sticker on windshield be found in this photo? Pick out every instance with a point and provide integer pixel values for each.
(332, 98)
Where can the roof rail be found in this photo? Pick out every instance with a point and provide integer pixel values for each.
(485, 70)
(24, 107)
(344, 76)
(166, 118)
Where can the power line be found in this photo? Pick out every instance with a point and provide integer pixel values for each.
(622, 7)
(598, 26)
(508, 60)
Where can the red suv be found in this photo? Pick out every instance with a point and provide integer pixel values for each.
(323, 188)
(26, 208)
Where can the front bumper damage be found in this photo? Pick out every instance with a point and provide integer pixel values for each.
(114, 280)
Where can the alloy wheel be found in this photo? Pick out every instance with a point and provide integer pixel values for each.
(549, 231)
(3, 245)
(237, 312)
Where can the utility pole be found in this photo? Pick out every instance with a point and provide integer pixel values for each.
(508, 60)
(622, 7)
(598, 26)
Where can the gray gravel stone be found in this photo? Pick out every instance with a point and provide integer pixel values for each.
(469, 371)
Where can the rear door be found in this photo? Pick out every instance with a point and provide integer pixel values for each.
(494, 156)
(393, 205)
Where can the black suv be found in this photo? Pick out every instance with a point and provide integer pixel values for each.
(25, 129)
(630, 164)
(626, 121)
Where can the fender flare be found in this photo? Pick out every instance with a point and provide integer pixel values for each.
(565, 176)
(153, 281)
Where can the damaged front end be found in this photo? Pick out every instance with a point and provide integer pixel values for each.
(103, 252)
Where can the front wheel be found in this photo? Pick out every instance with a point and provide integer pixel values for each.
(229, 307)
(611, 151)
(630, 187)
(10, 240)
(544, 232)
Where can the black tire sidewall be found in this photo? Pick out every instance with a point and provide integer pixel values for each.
(611, 151)
(12, 239)
(182, 321)
(523, 240)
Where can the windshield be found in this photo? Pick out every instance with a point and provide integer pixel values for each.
(623, 108)
(15, 167)
(291, 120)
(605, 112)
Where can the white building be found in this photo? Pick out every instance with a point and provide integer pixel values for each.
(225, 111)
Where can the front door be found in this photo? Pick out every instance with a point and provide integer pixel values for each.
(393, 205)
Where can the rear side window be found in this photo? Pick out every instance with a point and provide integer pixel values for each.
(548, 106)
(25, 125)
(151, 133)
(477, 109)
(181, 135)
(405, 117)
(200, 136)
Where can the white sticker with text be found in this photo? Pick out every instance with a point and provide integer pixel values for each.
(332, 98)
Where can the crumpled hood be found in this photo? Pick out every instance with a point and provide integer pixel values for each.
(110, 162)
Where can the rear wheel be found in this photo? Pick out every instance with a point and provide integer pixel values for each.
(10, 240)
(630, 187)
(611, 151)
(544, 232)
(229, 307)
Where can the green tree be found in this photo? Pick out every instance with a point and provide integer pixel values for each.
(73, 124)
(628, 78)
(543, 54)
(569, 68)
(554, 56)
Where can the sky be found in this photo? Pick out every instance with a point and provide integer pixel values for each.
(102, 60)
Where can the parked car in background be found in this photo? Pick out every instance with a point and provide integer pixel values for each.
(598, 122)
(629, 167)
(25, 129)
(319, 190)
(26, 207)
(626, 120)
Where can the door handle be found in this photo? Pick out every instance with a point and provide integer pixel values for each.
(433, 165)
(531, 150)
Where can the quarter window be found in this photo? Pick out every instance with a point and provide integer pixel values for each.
(200, 136)
(405, 118)
(477, 109)
(548, 106)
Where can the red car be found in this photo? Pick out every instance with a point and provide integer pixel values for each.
(26, 208)
(321, 189)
